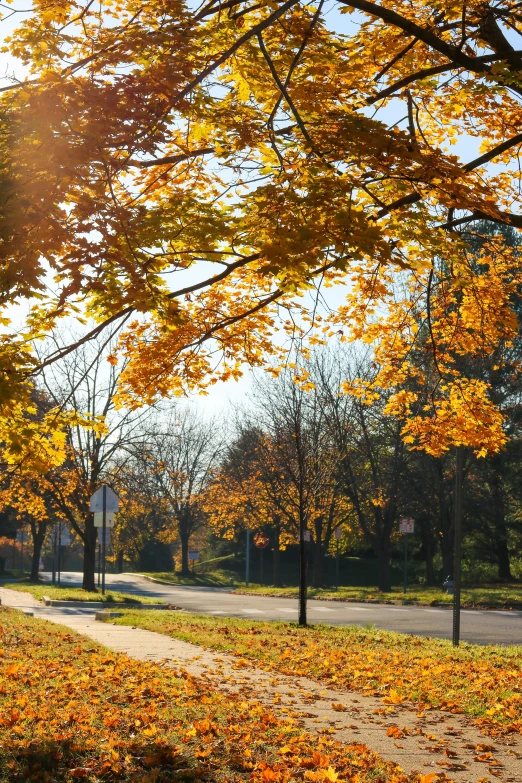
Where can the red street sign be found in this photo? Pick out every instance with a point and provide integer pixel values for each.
(261, 541)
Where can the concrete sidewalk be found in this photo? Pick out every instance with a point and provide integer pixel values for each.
(431, 741)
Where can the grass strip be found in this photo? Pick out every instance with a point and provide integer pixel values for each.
(64, 593)
(215, 578)
(479, 597)
(483, 682)
(71, 709)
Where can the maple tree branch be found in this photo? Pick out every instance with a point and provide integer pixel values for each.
(145, 164)
(412, 28)
(257, 28)
(282, 89)
(425, 73)
(127, 312)
(295, 61)
(493, 153)
(394, 60)
(413, 198)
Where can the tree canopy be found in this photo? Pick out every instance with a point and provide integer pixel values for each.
(187, 173)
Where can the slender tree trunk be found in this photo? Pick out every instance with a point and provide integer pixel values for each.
(383, 557)
(89, 554)
(184, 540)
(276, 575)
(318, 563)
(38, 535)
(119, 562)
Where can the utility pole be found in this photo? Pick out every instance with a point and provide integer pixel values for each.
(457, 574)
(104, 528)
(304, 536)
(247, 574)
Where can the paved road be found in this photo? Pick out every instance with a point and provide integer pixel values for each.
(480, 627)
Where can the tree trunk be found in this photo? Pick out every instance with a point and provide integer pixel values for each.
(276, 574)
(318, 561)
(38, 534)
(383, 557)
(89, 555)
(504, 564)
(184, 539)
(500, 530)
(427, 543)
(119, 562)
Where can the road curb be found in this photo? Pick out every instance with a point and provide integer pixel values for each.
(98, 604)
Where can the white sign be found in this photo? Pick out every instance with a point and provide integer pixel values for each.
(338, 533)
(112, 500)
(109, 519)
(307, 535)
(406, 525)
(193, 555)
(22, 537)
(107, 536)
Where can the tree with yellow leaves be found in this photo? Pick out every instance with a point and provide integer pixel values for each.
(253, 151)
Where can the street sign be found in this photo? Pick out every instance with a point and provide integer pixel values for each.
(406, 525)
(98, 519)
(193, 555)
(307, 535)
(112, 501)
(338, 533)
(107, 536)
(261, 540)
(22, 537)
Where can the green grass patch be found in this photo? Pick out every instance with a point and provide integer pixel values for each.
(71, 709)
(64, 593)
(480, 681)
(479, 597)
(217, 578)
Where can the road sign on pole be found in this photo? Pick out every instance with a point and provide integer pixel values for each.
(112, 501)
(109, 519)
(406, 525)
(104, 501)
(107, 536)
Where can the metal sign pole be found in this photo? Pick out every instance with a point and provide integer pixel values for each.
(99, 561)
(336, 564)
(247, 574)
(54, 555)
(104, 528)
(59, 550)
(406, 562)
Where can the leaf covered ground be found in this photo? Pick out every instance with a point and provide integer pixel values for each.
(508, 596)
(71, 709)
(65, 593)
(483, 682)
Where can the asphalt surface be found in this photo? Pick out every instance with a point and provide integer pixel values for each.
(478, 627)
